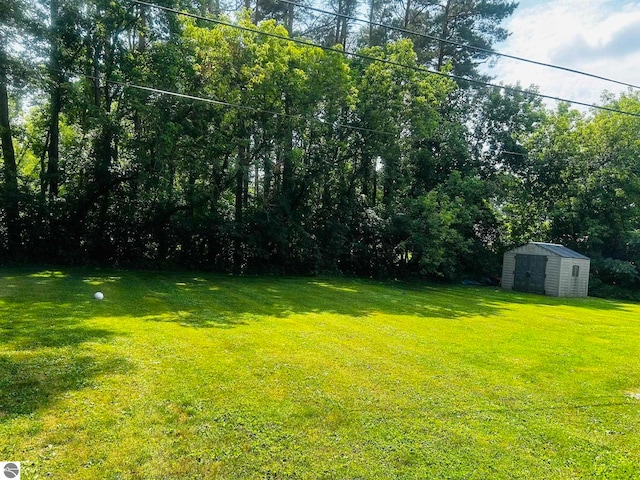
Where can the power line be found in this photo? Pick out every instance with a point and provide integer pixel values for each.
(385, 61)
(461, 45)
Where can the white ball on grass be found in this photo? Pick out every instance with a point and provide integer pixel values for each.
(98, 296)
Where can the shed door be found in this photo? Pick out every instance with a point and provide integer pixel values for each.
(530, 273)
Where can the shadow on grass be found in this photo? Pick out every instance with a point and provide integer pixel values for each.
(32, 380)
(36, 327)
(45, 342)
(208, 300)
(225, 302)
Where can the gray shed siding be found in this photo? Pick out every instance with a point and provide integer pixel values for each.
(508, 266)
(559, 281)
(577, 286)
(552, 282)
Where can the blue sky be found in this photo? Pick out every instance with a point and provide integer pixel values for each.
(596, 36)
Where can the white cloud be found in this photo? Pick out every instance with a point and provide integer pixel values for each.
(623, 42)
(600, 37)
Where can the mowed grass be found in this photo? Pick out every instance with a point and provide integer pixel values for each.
(190, 375)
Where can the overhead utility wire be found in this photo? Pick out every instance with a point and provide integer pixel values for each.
(461, 45)
(385, 61)
(228, 104)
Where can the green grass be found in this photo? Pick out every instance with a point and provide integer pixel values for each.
(183, 375)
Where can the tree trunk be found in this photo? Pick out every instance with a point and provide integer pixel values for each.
(142, 29)
(371, 15)
(374, 189)
(240, 203)
(267, 178)
(343, 29)
(443, 34)
(287, 158)
(53, 152)
(391, 173)
(407, 14)
(104, 150)
(10, 168)
(336, 33)
(290, 18)
(247, 5)
(141, 46)
(345, 8)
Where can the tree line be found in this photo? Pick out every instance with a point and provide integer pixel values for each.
(153, 137)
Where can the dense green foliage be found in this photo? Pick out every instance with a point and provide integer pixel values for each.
(200, 376)
(303, 160)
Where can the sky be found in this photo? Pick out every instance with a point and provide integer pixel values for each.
(596, 36)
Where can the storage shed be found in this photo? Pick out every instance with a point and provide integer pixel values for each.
(546, 268)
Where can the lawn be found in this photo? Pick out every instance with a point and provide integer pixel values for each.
(191, 375)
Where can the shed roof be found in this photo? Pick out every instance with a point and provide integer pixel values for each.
(560, 250)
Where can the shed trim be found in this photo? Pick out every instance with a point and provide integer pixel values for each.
(560, 250)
